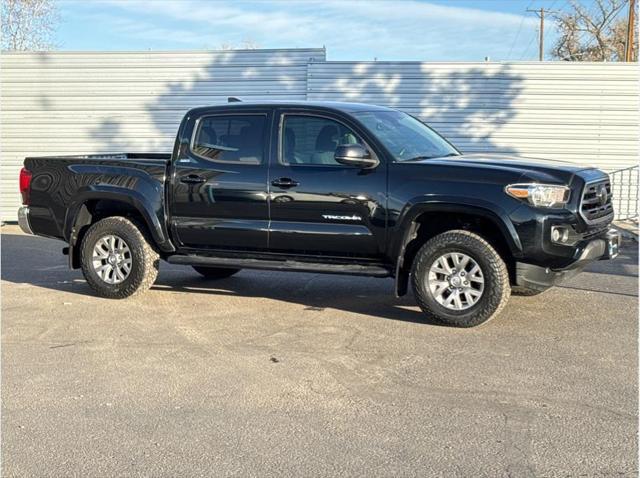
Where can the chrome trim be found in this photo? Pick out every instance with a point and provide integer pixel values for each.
(608, 217)
(112, 260)
(23, 220)
(456, 281)
(614, 238)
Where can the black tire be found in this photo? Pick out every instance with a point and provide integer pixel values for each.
(213, 273)
(144, 259)
(496, 278)
(525, 291)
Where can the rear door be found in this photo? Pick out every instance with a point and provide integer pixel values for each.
(219, 181)
(318, 206)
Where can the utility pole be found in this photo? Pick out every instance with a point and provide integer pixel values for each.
(628, 51)
(540, 14)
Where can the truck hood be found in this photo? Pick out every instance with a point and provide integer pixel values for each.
(527, 168)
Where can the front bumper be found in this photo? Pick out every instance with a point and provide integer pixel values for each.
(541, 278)
(23, 220)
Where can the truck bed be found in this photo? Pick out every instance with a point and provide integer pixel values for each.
(60, 185)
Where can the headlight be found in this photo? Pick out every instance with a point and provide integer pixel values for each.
(540, 195)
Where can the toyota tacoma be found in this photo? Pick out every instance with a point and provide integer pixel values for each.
(339, 188)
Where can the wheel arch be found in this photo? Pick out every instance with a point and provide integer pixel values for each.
(90, 208)
(426, 220)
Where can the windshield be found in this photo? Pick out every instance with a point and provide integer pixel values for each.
(405, 137)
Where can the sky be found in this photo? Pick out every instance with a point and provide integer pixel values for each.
(430, 30)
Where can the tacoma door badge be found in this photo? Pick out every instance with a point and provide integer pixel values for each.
(342, 218)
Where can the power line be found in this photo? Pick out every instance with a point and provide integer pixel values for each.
(540, 12)
(529, 45)
(540, 31)
(519, 29)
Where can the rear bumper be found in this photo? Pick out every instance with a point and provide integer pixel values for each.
(23, 220)
(541, 278)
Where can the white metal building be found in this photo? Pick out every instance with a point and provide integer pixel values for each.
(90, 102)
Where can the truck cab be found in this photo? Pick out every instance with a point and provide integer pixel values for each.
(265, 179)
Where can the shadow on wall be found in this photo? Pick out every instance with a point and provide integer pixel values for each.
(209, 79)
(468, 104)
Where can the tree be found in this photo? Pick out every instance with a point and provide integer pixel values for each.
(599, 35)
(28, 24)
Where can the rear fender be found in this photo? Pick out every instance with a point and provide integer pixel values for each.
(78, 216)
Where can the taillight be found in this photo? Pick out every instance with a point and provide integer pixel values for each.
(25, 185)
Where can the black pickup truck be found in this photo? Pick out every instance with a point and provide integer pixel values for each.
(339, 188)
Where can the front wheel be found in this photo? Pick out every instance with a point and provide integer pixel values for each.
(459, 279)
(117, 260)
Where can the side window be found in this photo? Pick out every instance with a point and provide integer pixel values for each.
(311, 140)
(231, 139)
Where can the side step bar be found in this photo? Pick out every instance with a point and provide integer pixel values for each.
(285, 265)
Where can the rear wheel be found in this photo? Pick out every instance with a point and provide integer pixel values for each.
(117, 260)
(459, 279)
(215, 272)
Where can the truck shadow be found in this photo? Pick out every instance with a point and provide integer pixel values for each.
(39, 262)
(315, 292)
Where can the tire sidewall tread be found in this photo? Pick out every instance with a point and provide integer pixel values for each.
(497, 286)
(145, 260)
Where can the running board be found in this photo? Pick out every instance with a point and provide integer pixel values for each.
(285, 265)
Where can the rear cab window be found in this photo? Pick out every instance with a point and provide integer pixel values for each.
(231, 138)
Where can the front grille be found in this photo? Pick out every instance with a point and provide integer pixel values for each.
(594, 206)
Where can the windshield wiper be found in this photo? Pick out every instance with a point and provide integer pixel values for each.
(418, 158)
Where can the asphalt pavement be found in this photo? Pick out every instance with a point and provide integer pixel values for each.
(289, 374)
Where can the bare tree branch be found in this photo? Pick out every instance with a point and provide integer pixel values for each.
(28, 24)
(592, 36)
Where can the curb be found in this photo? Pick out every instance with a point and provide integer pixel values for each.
(628, 229)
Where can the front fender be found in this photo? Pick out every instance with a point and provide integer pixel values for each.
(421, 204)
(408, 225)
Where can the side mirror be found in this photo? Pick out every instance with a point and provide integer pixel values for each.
(355, 155)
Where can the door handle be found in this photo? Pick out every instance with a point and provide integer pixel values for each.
(192, 179)
(285, 183)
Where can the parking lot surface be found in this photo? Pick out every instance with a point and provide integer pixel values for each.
(276, 374)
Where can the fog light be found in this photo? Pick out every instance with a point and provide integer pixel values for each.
(559, 234)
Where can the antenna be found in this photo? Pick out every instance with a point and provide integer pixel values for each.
(233, 99)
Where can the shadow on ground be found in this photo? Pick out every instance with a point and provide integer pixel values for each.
(39, 261)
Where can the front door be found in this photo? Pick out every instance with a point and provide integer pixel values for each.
(318, 206)
(219, 185)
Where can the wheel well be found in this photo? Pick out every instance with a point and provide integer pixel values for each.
(430, 224)
(93, 211)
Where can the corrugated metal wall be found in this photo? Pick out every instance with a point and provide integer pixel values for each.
(70, 103)
(581, 112)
